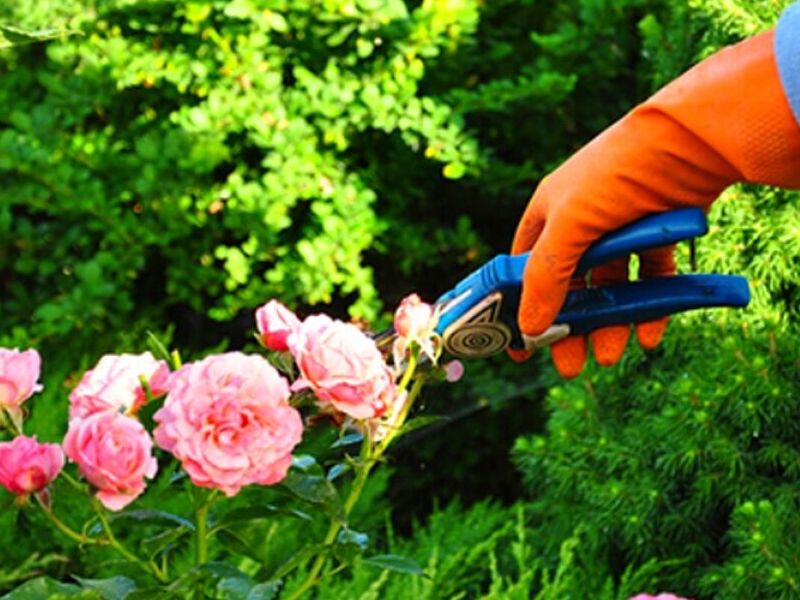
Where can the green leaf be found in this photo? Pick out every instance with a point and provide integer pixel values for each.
(393, 562)
(266, 511)
(12, 36)
(341, 34)
(115, 588)
(337, 471)
(304, 462)
(42, 587)
(154, 594)
(243, 588)
(350, 544)
(347, 440)
(234, 588)
(158, 349)
(197, 12)
(154, 515)
(315, 489)
(299, 558)
(164, 540)
(220, 570)
(264, 591)
(454, 170)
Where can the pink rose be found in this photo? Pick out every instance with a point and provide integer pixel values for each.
(228, 420)
(114, 384)
(18, 374)
(27, 467)
(342, 366)
(114, 454)
(275, 322)
(414, 319)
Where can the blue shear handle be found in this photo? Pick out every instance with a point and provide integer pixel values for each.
(587, 310)
(653, 231)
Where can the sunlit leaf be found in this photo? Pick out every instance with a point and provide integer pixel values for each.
(393, 562)
(13, 36)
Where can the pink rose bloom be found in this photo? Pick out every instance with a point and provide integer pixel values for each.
(342, 366)
(228, 420)
(659, 597)
(275, 322)
(414, 319)
(18, 374)
(114, 384)
(114, 454)
(27, 467)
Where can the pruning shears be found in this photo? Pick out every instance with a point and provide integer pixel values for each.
(478, 317)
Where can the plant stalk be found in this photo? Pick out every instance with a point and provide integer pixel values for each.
(369, 456)
(66, 529)
(201, 532)
(148, 566)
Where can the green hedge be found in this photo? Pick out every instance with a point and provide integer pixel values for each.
(186, 161)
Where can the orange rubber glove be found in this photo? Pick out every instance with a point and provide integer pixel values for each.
(726, 120)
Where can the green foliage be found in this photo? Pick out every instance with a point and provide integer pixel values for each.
(764, 535)
(13, 36)
(190, 160)
(254, 540)
(489, 552)
(690, 453)
(197, 155)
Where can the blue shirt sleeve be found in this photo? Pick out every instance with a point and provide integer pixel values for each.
(787, 52)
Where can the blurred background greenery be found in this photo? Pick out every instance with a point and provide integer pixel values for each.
(173, 165)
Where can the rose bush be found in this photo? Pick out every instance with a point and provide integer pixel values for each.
(231, 421)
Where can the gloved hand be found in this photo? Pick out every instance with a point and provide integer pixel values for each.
(726, 120)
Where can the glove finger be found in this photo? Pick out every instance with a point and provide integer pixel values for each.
(569, 355)
(659, 262)
(518, 355)
(650, 333)
(608, 343)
